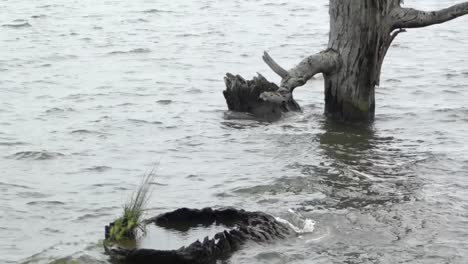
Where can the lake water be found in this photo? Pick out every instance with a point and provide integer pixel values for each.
(94, 94)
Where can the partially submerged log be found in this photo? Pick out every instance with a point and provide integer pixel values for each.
(246, 226)
(257, 97)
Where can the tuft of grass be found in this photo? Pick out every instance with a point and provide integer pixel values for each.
(125, 227)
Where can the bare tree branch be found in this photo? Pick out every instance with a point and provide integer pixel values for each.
(325, 62)
(412, 18)
(274, 66)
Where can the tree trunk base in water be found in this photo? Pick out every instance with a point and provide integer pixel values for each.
(246, 226)
(258, 97)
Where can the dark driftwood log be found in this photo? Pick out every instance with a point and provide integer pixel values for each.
(247, 226)
(253, 96)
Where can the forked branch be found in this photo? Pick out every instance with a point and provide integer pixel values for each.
(323, 62)
(412, 18)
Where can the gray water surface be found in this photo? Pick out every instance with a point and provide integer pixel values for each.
(95, 93)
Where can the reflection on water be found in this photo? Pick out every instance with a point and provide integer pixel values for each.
(355, 168)
(366, 169)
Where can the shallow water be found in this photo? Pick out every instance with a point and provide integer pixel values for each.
(95, 94)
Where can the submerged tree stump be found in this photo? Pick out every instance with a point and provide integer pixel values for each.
(257, 97)
(246, 226)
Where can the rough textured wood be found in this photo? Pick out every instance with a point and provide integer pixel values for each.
(246, 96)
(412, 18)
(324, 62)
(360, 31)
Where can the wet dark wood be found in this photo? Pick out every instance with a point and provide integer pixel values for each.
(249, 96)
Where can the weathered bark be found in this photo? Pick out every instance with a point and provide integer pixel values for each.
(361, 32)
(412, 18)
(247, 96)
(325, 62)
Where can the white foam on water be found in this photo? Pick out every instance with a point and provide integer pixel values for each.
(308, 227)
(303, 225)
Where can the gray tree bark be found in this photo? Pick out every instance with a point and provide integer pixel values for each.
(361, 32)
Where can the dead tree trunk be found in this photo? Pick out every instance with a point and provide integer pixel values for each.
(361, 32)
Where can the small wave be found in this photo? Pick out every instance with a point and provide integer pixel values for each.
(19, 25)
(55, 110)
(36, 155)
(450, 91)
(51, 231)
(90, 216)
(45, 203)
(185, 35)
(37, 195)
(140, 121)
(458, 110)
(194, 91)
(14, 185)
(10, 144)
(224, 195)
(81, 96)
(164, 102)
(155, 10)
(98, 168)
(245, 121)
(45, 65)
(138, 20)
(38, 16)
(140, 50)
(88, 132)
(100, 185)
(59, 57)
(126, 104)
(393, 80)
(137, 51)
(275, 4)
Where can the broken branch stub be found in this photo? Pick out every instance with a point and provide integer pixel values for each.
(274, 66)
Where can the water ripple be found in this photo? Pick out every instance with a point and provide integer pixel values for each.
(17, 25)
(135, 51)
(35, 155)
